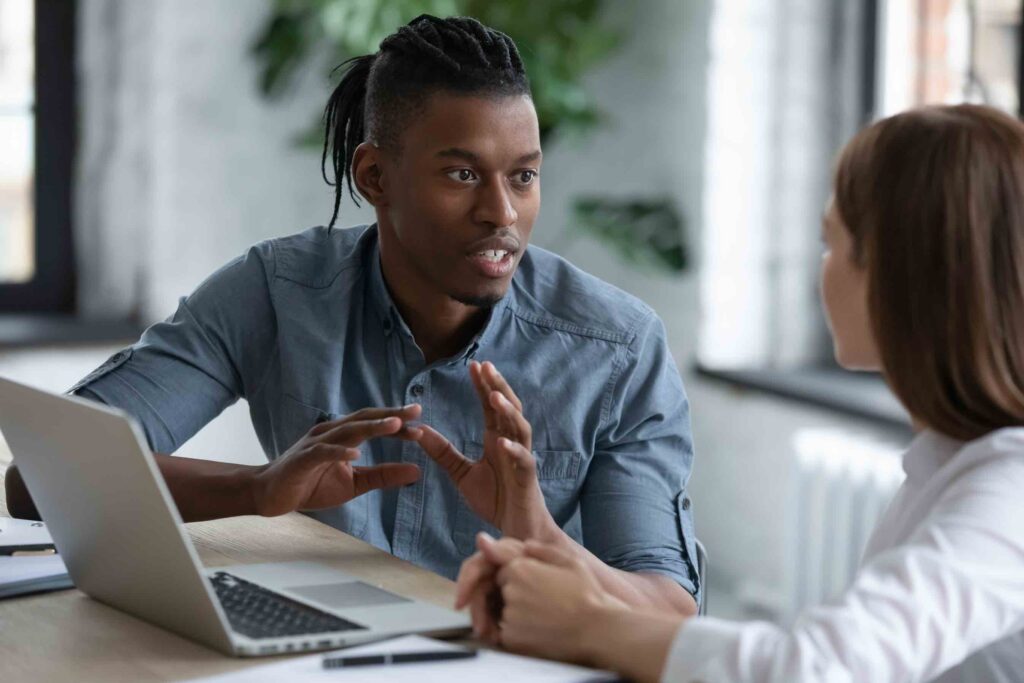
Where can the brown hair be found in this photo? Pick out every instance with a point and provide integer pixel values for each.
(934, 201)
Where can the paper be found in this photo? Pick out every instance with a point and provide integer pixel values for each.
(494, 667)
(20, 532)
(17, 569)
(24, 575)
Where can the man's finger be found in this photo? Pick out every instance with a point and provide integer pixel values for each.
(405, 413)
(444, 453)
(498, 383)
(383, 476)
(522, 458)
(483, 391)
(329, 452)
(355, 433)
(513, 423)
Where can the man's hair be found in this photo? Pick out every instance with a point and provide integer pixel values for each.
(380, 92)
(934, 201)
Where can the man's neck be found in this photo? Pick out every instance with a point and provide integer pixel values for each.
(440, 325)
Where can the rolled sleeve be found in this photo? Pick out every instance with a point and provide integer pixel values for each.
(186, 370)
(634, 510)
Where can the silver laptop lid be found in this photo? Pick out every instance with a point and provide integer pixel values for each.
(97, 487)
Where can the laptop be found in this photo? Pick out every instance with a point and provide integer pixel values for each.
(112, 518)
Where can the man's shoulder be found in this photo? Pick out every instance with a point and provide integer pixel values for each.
(317, 256)
(552, 292)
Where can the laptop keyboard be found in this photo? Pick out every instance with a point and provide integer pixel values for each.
(259, 613)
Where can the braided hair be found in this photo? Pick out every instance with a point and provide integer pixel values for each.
(380, 91)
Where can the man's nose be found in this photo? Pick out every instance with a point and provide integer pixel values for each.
(494, 205)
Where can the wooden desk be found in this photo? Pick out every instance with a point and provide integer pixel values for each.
(66, 636)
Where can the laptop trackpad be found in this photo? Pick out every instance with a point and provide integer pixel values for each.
(347, 595)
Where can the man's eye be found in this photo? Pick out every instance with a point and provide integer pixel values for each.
(462, 175)
(525, 177)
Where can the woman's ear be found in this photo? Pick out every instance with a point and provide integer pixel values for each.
(368, 174)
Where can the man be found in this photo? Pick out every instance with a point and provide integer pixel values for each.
(319, 330)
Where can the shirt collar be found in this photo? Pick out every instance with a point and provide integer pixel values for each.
(928, 452)
(382, 300)
(392, 320)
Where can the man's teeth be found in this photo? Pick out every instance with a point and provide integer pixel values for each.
(493, 254)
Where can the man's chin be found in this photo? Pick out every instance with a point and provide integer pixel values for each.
(480, 300)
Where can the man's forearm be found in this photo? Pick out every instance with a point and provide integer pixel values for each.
(202, 489)
(205, 489)
(19, 502)
(637, 589)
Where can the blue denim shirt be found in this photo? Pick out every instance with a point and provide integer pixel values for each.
(304, 329)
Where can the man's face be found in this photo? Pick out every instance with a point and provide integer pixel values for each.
(462, 194)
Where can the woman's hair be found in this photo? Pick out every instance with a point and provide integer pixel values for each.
(934, 201)
(379, 93)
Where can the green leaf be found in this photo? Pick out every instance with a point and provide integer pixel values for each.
(644, 232)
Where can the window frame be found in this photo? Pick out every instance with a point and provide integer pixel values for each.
(52, 287)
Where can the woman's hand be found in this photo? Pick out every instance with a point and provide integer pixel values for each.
(551, 600)
(476, 587)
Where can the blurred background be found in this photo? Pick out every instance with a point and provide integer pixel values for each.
(688, 146)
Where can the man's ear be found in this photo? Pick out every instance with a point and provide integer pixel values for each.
(368, 173)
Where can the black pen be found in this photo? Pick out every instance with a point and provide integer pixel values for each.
(397, 658)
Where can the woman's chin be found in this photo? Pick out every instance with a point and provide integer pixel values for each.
(855, 362)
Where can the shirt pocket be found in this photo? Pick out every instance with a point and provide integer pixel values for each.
(558, 473)
(295, 419)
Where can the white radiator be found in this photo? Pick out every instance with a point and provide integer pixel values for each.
(841, 485)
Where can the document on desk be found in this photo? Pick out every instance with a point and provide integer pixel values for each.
(23, 575)
(489, 665)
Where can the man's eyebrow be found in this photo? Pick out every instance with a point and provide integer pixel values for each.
(466, 155)
(529, 158)
(458, 153)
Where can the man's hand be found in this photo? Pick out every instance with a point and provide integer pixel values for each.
(501, 487)
(317, 472)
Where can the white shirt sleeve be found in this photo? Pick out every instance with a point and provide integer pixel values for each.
(913, 611)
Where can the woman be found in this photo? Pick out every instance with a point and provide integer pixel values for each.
(923, 280)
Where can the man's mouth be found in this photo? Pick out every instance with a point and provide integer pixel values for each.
(493, 255)
(494, 263)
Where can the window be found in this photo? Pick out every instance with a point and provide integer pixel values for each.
(948, 51)
(36, 151)
(831, 66)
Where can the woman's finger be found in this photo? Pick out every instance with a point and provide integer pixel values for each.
(473, 572)
(499, 553)
(549, 553)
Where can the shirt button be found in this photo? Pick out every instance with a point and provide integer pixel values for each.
(686, 504)
(417, 390)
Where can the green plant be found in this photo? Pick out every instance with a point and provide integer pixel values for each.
(645, 232)
(559, 40)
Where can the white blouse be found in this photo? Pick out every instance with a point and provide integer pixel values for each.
(939, 595)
